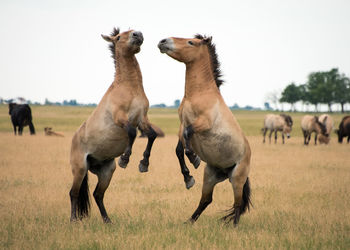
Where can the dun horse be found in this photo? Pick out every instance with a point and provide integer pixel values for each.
(208, 128)
(310, 124)
(328, 122)
(110, 131)
(276, 123)
(344, 129)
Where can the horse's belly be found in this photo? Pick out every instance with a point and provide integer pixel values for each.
(108, 143)
(219, 151)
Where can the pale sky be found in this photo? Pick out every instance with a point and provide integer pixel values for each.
(53, 49)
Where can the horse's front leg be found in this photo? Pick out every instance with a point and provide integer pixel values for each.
(189, 180)
(191, 155)
(151, 135)
(124, 158)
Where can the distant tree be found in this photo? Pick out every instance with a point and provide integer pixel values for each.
(176, 103)
(267, 106)
(341, 90)
(304, 94)
(291, 94)
(235, 106)
(47, 102)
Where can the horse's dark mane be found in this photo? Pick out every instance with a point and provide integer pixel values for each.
(288, 119)
(214, 58)
(115, 32)
(322, 126)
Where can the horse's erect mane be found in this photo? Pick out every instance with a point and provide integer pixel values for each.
(115, 32)
(322, 126)
(214, 58)
(288, 119)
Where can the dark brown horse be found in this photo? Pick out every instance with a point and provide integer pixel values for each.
(208, 128)
(344, 129)
(110, 131)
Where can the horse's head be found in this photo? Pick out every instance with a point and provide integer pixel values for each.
(185, 50)
(126, 43)
(287, 130)
(323, 139)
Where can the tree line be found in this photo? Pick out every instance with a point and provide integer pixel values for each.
(322, 87)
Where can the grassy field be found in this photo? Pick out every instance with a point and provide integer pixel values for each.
(300, 194)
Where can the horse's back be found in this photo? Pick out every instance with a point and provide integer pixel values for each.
(306, 122)
(273, 121)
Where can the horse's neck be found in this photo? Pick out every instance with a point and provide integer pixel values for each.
(199, 78)
(128, 71)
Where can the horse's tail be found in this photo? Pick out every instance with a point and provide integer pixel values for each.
(246, 201)
(158, 130)
(31, 128)
(236, 211)
(84, 198)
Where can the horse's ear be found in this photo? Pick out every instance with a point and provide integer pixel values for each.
(107, 38)
(207, 40)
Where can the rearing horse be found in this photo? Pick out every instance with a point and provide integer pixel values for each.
(208, 128)
(110, 131)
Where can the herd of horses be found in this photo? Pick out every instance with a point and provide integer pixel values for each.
(208, 130)
(321, 125)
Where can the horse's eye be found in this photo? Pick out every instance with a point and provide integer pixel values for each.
(190, 42)
(118, 38)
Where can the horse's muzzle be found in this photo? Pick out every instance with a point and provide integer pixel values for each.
(137, 38)
(164, 45)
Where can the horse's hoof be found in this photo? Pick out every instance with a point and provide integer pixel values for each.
(107, 220)
(143, 168)
(122, 163)
(196, 162)
(190, 182)
(190, 221)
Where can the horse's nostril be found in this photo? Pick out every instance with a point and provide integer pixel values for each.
(163, 41)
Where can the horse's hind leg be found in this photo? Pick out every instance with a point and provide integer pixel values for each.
(104, 174)
(151, 135)
(124, 158)
(282, 137)
(305, 135)
(241, 189)
(275, 136)
(189, 180)
(210, 179)
(316, 138)
(79, 193)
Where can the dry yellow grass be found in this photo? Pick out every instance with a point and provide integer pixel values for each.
(300, 196)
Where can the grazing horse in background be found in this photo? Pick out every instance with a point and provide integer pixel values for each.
(310, 124)
(344, 129)
(328, 122)
(208, 128)
(277, 123)
(110, 131)
(50, 132)
(21, 115)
